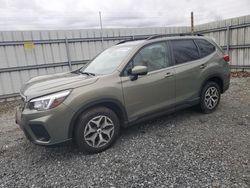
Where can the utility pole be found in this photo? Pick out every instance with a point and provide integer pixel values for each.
(192, 23)
(100, 16)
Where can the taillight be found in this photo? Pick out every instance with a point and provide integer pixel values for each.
(226, 57)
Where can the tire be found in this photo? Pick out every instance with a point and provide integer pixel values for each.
(96, 130)
(209, 98)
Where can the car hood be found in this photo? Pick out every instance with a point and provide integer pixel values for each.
(47, 84)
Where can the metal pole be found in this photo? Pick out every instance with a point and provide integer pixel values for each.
(100, 17)
(228, 38)
(192, 23)
(68, 54)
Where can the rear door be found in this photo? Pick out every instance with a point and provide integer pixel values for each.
(154, 91)
(188, 67)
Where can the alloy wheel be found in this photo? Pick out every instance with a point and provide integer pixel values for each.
(99, 131)
(211, 97)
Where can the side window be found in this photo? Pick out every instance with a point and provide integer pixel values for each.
(154, 56)
(205, 47)
(184, 51)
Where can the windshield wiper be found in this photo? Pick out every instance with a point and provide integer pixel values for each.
(87, 73)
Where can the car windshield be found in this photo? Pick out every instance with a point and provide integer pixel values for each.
(107, 61)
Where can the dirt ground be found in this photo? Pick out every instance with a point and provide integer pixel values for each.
(184, 149)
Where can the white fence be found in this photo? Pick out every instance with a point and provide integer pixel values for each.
(26, 54)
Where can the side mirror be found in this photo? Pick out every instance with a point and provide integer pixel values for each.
(138, 70)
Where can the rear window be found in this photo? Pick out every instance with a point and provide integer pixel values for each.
(184, 51)
(205, 47)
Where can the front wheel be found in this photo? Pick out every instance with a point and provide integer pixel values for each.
(210, 97)
(97, 129)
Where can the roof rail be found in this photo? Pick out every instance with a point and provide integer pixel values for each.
(132, 39)
(123, 41)
(172, 35)
(147, 37)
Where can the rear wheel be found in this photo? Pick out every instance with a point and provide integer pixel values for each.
(97, 129)
(210, 97)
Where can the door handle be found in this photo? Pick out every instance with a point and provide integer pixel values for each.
(203, 66)
(169, 74)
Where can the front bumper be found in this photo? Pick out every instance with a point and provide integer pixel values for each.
(45, 127)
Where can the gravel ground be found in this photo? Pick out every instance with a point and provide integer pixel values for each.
(185, 149)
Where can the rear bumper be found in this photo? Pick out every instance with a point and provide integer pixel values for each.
(226, 83)
(45, 128)
(226, 87)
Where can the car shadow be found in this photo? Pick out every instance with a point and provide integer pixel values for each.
(162, 122)
(168, 120)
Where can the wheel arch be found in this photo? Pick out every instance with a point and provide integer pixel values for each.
(215, 78)
(113, 104)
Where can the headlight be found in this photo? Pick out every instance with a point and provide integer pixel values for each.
(48, 101)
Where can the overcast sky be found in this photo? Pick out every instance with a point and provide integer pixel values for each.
(80, 14)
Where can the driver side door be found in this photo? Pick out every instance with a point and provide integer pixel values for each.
(154, 91)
